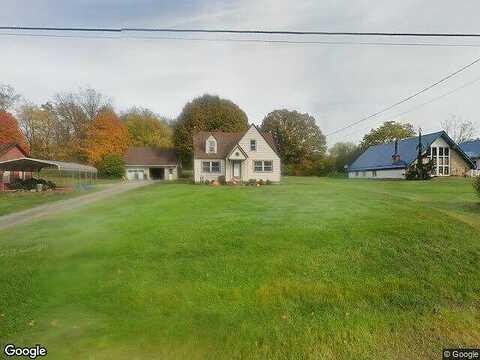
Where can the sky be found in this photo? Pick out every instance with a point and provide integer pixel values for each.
(336, 83)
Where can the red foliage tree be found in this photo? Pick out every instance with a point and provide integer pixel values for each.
(11, 133)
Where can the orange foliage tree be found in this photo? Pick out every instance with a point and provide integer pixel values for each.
(106, 135)
(11, 133)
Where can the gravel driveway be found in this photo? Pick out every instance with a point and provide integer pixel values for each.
(56, 207)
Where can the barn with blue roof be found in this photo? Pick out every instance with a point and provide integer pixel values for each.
(391, 160)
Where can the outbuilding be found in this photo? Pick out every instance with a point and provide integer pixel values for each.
(149, 163)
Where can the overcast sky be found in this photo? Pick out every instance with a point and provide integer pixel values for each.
(337, 84)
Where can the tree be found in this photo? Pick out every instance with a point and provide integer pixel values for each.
(75, 112)
(39, 123)
(111, 166)
(106, 135)
(423, 166)
(8, 97)
(297, 135)
(341, 154)
(459, 130)
(147, 129)
(10, 131)
(476, 185)
(206, 113)
(389, 131)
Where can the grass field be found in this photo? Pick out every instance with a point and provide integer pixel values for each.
(11, 202)
(309, 269)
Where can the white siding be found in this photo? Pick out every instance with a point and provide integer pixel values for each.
(263, 152)
(199, 175)
(381, 174)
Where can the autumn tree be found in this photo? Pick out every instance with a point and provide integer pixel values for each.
(106, 135)
(147, 128)
(388, 132)
(10, 131)
(297, 135)
(75, 112)
(206, 113)
(458, 129)
(39, 124)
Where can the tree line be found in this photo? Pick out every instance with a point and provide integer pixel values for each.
(83, 126)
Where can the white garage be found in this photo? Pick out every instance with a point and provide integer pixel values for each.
(148, 163)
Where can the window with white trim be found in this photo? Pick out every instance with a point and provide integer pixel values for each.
(441, 159)
(211, 166)
(211, 146)
(253, 145)
(263, 166)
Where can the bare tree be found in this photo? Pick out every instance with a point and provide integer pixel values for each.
(458, 129)
(8, 97)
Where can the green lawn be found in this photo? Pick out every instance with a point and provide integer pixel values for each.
(11, 202)
(309, 269)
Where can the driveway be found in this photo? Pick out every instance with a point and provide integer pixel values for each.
(57, 207)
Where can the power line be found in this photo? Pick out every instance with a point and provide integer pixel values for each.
(415, 108)
(240, 31)
(368, 43)
(406, 98)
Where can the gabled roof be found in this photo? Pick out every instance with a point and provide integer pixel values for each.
(378, 157)
(237, 146)
(4, 148)
(226, 141)
(471, 148)
(144, 155)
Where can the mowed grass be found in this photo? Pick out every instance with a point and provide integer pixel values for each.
(11, 202)
(309, 269)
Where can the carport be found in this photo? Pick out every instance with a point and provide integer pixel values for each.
(75, 173)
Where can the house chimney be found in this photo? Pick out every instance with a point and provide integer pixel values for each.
(396, 155)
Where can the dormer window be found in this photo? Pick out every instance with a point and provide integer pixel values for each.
(211, 146)
(253, 145)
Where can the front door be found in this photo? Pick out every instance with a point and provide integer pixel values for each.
(236, 169)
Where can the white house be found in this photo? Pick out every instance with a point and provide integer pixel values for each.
(391, 160)
(148, 163)
(240, 156)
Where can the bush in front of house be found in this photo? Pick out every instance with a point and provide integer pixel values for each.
(111, 166)
(31, 184)
(476, 184)
(222, 180)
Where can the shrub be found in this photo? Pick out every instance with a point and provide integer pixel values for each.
(261, 182)
(111, 166)
(207, 182)
(252, 182)
(268, 182)
(222, 180)
(31, 184)
(476, 184)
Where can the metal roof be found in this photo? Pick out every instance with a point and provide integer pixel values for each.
(471, 148)
(378, 157)
(29, 164)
